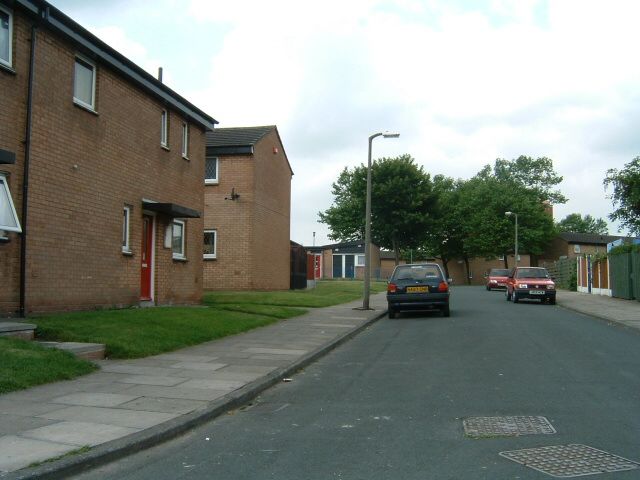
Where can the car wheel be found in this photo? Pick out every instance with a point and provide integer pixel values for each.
(488, 289)
(552, 300)
(392, 313)
(508, 295)
(514, 297)
(446, 311)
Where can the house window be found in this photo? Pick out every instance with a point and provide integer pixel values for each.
(211, 171)
(164, 133)
(210, 241)
(177, 239)
(126, 247)
(576, 249)
(360, 260)
(185, 141)
(8, 217)
(6, 36)
(84, 83)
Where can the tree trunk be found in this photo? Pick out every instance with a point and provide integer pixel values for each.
(445, 265)
(396, 251)
(506, 262)
(466, 264)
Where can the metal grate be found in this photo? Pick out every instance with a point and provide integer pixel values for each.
(482, 427)
(566, 461)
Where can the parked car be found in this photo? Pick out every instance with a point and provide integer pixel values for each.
(418, 287)
(497, 278)
(531, 282)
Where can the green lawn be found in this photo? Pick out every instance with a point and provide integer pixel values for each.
(326, 293)
(25, 364)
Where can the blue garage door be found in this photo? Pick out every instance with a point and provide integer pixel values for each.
(349, 266)
(337, 266)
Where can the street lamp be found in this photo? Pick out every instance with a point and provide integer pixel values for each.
(508, 214)
(367, 223)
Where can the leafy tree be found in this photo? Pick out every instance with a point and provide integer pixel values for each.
(626, 195)
(402, 202)
(536, 175)
(576, 223)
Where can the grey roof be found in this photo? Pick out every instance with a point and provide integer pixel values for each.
(237, 137)
(53, 19)
(588, 238)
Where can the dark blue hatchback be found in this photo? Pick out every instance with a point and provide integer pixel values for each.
(419, 286)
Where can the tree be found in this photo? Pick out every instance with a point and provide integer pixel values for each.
(402, 202)
(576, 223)
(626, 195)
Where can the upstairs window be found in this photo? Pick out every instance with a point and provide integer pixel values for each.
(84, 83)
(211, 171)
(164, 133)
(210, 241)
(8, 217)
(185, 140)
(177, 239)
(6, 36)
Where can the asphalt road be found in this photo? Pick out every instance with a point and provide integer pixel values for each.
(390, 403)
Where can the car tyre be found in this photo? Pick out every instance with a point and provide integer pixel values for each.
(392, 313)
(446, 311)
(488, 288)
(552, 300)
(508, 295)
(514, 297)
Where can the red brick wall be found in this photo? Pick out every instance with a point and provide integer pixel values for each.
(84, 168)
(253, 231)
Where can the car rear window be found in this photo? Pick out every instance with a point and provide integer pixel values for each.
(499, 272)
(417, 272)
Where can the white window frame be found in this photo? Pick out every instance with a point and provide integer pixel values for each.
(213, 181)
(358, 258)
(8, 62)
(164, 129)
(185, 140)
(4, 188)
(215, 244)
(87, 63)
(126, 229)
(576, 248)
(181, 254)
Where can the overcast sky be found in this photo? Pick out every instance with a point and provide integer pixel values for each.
(463, 81)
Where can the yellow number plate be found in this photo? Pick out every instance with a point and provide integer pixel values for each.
(417, 289)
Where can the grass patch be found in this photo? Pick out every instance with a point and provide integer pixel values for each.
(26, 364)
(77, 451)
(326, 294)
(135, 333)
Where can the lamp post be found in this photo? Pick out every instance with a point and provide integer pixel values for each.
(508, 214)
(367, 224)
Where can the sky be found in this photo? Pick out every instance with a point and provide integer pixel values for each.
(463, 81)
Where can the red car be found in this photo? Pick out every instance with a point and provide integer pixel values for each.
(497, 278)
(531, 282)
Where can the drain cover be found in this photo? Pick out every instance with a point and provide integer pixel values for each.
(506, 426)
(566, 461)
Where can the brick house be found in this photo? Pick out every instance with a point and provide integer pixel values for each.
(344, 260)
(571, 245)
(104, 166)
(247, 205)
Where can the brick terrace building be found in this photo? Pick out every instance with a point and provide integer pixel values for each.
(247, 210)
(114, 162)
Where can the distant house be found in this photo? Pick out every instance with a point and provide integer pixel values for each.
(344, 260)
(100, 173)
(247, 205)
(571, 245)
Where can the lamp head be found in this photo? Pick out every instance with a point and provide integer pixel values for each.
(390, 135)
(508, 214)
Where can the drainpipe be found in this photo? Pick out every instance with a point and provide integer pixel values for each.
(25, 177)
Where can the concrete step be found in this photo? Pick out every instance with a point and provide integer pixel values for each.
(88, 351)
(20, 330)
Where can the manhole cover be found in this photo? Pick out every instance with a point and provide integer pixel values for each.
(566, 461)
(506, 426)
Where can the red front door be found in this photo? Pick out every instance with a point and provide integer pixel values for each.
(146, 267)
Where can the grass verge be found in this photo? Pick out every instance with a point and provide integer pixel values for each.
(26, 364)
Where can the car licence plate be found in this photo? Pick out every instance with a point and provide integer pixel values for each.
(417, 289)
(536, 292)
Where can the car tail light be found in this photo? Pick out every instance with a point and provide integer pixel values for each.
(391, 288)
(443, 286)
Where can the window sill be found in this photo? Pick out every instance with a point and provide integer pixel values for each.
(179, 259)
(207, 259)
(165, 147)
(186, 158)
(211, 182)
(7, 69)
(127, 253)
(85, 107)
(4, 240)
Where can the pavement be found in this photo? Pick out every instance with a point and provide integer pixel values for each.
(131, 405)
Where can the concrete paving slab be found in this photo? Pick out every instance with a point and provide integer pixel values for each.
(183, 357)
(167, 405)
(17, 452)
(198, 366)
(78, 433)
(133, 369)
(94, 399)
(110, 416)
(26, 408)
(12, 424)
(177, 392)
(208, 384)
(276, 351)
(153, 380)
